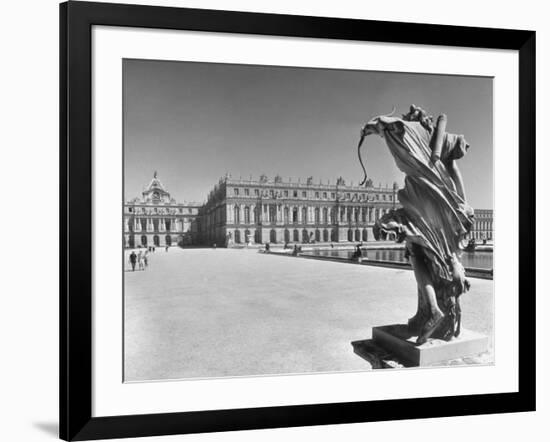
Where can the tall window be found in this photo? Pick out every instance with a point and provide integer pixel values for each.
(316, 194)
(286, 214)
(295, 215)
(325, 215)
(272, 214)
(295, 194)
(317, 215)
(237, 215)
(246, 192)
(304, 215)
(236, 191)
(304, 194)
(256, 192)
(247, 215)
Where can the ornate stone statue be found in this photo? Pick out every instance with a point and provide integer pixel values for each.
(434, 218)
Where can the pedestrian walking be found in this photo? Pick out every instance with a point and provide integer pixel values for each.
(140, 261)
(133, 259)
(146, 259)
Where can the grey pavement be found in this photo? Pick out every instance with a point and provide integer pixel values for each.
(226, 312)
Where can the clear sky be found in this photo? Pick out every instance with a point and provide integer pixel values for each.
(194, 122)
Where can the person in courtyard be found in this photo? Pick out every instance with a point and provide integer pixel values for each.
(296, 250)
(266, 247)
(140, 261)
(133, 258)
(166, 248)
(358, 254)
(146, 259)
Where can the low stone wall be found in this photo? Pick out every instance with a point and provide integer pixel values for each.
(471, 272)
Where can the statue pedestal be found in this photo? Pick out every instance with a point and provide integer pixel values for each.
(397, 340)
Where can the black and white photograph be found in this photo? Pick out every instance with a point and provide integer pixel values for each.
(287, 220)
(282, 220)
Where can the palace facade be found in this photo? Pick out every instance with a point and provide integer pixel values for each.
(241, 211)
(483, 225)
(157, 219)
(266, 210)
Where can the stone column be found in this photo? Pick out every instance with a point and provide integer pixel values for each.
(229, 214)
(253, 219)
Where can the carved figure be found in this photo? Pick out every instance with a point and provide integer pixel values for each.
(434, 218)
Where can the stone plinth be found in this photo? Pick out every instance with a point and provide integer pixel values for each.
(397, 340)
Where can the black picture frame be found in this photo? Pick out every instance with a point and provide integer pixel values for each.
(76, 21)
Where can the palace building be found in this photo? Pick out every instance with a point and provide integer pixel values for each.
(156, 219)
(241, 211)
(483, 225)
(263, 211)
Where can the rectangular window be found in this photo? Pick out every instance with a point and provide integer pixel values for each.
(316, 194)
(304, 194)
(256, 192)
(246, 192)
(286, 192)
(295, 194)
(271, 193)
(324, 195)
(333, 195)
(236, 191)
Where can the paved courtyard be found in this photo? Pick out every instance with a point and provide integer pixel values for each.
(226, 312)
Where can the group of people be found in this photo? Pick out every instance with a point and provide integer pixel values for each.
(140, 258)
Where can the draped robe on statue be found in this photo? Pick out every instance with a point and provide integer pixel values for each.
(434, 218)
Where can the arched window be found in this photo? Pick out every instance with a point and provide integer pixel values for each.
(304, 215)
(237, 215)
(317, 216)
(247, 215)
(287, 236)
(296, 235)
(295, 216)
(325, 215)
(272, 214)
(286, 214)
